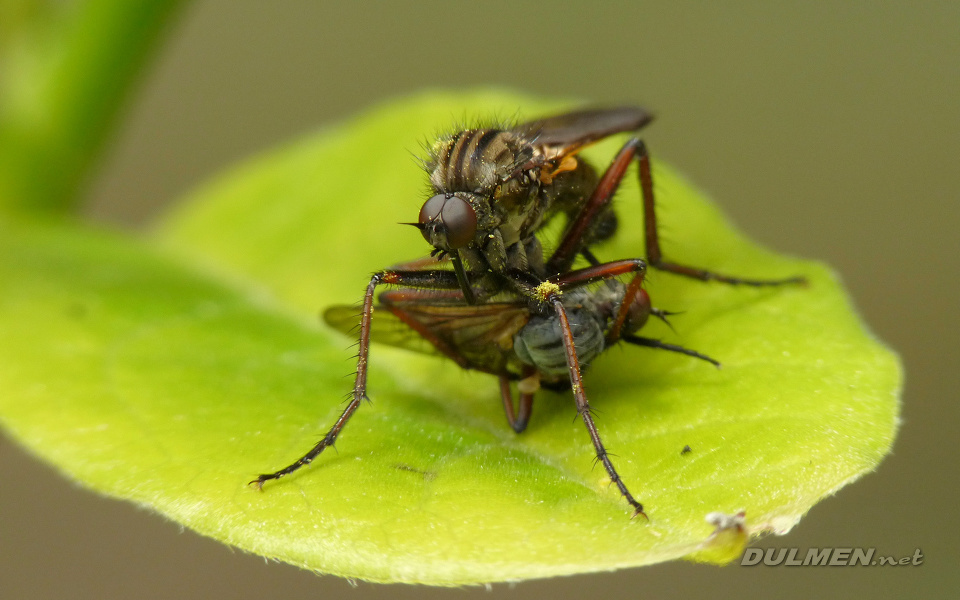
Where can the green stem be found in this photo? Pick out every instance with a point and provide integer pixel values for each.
(64, 71)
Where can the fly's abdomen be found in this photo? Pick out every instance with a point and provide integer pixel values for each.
(540, 342)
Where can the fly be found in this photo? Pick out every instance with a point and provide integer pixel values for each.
(493, 192)
(494, 189)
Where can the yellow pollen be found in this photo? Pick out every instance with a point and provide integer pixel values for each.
(547, 289)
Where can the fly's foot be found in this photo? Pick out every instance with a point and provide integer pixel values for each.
(638, 511)
(261, 479)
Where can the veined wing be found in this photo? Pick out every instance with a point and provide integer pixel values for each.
(474, 336)
(385, 328)
(569, 133)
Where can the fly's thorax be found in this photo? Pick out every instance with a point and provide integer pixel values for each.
(477, 160)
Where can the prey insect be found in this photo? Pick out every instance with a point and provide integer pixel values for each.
(506, 338)
(494, 190)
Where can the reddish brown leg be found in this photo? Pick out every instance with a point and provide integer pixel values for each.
(587, 275)
(653, 239)
(595, 273)
(518, 420)
(613, 334)
(431, 261)
(432, 279)
(419, 264)
(571, 244)
(529, 288)
(583, 407)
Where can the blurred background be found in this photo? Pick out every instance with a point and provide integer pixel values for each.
(827, 131)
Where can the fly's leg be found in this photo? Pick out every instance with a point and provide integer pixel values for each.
(583, 406)
(592, 274)
(599, 272)
(654, 256)
(435, 279)
(616, 268)
(574, 237)
(572, 242)
(518, 419)
(549, 293)
(637, 340)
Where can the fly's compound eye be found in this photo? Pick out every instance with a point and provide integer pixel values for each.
(448, 222)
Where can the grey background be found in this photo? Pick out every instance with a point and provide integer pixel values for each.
(830, 132)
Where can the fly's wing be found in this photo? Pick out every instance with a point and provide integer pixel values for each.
(385, 328)
(474, 336)
(569, 133)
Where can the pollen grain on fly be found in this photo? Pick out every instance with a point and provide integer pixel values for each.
(546, 290)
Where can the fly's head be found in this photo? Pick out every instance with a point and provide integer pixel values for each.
(481, 179)
(638, 312)
(609, 298)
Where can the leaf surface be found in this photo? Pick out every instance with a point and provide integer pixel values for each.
(172, 371)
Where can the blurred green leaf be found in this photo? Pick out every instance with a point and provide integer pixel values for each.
(64, 69)
(174, 385)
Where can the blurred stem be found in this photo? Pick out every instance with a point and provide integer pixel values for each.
(64, 70)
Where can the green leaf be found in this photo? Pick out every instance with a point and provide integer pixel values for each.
(172, 372)
(64, 70)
